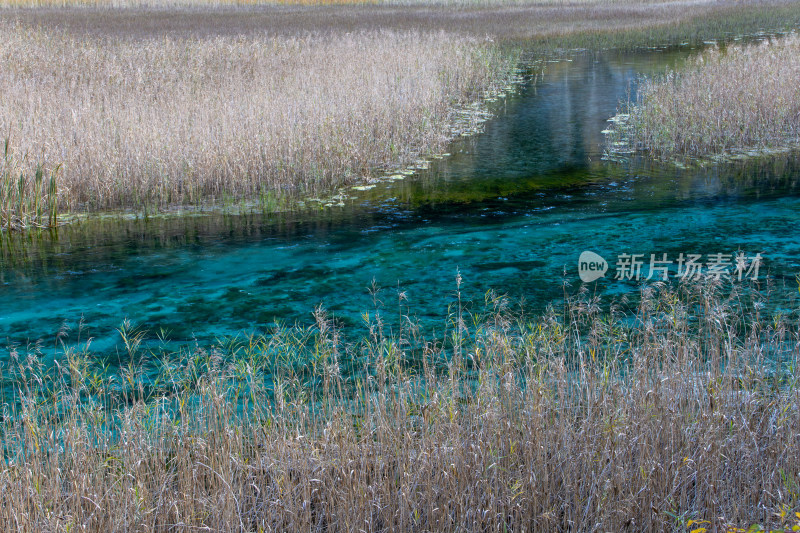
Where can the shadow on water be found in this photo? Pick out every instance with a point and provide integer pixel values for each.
(510, 209)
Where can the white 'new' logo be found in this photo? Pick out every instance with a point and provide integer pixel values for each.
(591, 266)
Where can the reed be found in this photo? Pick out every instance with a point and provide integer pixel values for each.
(732, 100)
(27, 200)
(166, 121)
(680, 414)
(115, 4)
(150, 106)
(538, 25)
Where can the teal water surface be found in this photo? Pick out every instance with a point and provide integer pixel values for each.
(510, 209)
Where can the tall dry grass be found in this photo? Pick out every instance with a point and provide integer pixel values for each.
(225, 3)
(545, 25)
(164, 121)
(684, 410)
(115, 4)
(736, 99)
(191, 105)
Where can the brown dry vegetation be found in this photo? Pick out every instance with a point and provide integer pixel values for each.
(654, 22)
(113, 4)
(250, 3)
(166, 105)
(164, 121)
(687, 409)
(736, 99)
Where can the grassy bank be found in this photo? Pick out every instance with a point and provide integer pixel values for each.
(168, 121)
(684, 410)
(733, 100)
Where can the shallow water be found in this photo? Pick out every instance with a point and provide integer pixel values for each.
(510, 209)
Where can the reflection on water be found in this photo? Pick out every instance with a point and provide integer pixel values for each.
(511, 209)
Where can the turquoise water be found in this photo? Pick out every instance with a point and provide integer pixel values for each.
(510, 209)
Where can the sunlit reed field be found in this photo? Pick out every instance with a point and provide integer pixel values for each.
(681, 414)
(166, 121)
(728, 101)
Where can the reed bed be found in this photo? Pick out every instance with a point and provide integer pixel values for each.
(225, 3)
(155, 122)
(730, 100)
(683, 413)
(151, 106)
(115, 4)
(538, 25)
